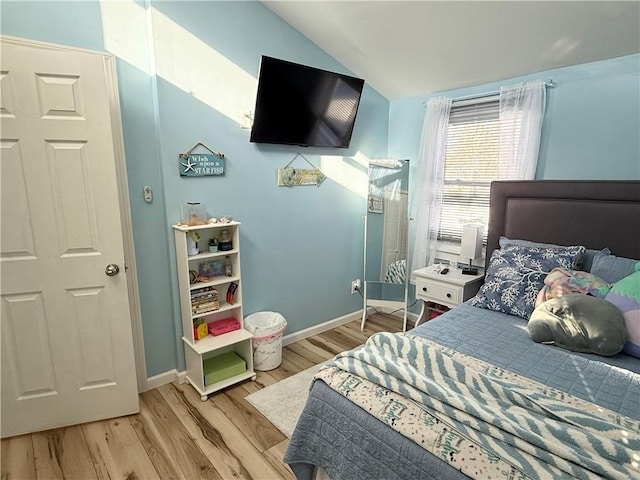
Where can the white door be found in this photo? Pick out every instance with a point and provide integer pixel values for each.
(67, 349)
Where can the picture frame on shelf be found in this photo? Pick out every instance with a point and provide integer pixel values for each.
(211, 269)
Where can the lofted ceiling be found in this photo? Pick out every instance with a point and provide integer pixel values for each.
(408, 48)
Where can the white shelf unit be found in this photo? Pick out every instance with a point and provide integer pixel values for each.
(238, 341)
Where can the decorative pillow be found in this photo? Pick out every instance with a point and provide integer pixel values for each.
(579, 323)
(505, 242)
(516, 274)
(587, 259)
(561, 282)
(591, 255)
(611, 268)
(625, 294)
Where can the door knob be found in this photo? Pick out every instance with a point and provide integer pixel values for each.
(111, 270)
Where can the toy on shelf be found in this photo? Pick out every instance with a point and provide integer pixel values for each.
(200, 329)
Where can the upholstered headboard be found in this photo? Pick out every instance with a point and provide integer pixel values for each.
(595, 214)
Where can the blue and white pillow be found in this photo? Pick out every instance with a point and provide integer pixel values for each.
(589, 255)
(516, 274)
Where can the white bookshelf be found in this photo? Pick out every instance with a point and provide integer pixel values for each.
(238, 341)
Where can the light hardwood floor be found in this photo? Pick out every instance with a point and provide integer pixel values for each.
(176, 435)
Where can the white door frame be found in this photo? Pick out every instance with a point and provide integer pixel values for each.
(123, 195)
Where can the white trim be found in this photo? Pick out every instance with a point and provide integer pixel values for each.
(127, 224)
(391, 305)
(181, 377)
(391, 311)
(322, 327)
(165, 378)
(20, 41)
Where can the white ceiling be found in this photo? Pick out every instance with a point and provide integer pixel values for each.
(407, 48)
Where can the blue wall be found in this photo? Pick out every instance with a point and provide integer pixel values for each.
(302, 246)
(591, 128)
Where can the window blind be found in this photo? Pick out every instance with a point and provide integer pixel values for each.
(470, 166)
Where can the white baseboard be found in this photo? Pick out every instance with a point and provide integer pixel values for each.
(166, 377)
(323, 327)
(411, 317)
(180, 377)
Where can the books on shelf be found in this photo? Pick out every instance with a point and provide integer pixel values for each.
(204, 300)
(203, 291)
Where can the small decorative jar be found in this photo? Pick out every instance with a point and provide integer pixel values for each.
(194, 213)
(213, 244)
(226, 243)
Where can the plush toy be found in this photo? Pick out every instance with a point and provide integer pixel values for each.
(625, 294)
(580, 323)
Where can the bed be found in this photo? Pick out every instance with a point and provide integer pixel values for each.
(348, 436)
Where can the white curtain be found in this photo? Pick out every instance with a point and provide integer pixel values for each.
(521, 111)
(430, 181)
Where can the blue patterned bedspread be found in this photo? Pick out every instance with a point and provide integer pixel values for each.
(459, 407)
(332, 431)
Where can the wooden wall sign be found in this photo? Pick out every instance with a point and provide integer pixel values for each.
(292, 177)
(201, 164)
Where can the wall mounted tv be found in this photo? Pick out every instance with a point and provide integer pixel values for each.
(301, 105)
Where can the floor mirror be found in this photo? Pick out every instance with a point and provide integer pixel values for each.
(385, 286)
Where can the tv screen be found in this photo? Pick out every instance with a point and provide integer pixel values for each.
(301, 105)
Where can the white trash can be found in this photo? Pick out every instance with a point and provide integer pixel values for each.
(267, 328)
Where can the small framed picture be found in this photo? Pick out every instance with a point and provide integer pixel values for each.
(374, 204)
(210, 269)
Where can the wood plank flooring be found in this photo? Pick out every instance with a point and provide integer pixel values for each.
(176, 435)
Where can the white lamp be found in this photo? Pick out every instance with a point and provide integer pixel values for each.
(471, 246)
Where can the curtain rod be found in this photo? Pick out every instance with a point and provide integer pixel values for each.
(547, 83)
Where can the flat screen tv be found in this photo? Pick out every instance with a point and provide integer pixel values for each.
(301, 105)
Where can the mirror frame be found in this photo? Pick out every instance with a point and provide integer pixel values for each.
(374, 290)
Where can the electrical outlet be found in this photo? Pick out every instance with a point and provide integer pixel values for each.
(355, 286)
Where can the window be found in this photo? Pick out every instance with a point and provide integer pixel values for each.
(471, 161)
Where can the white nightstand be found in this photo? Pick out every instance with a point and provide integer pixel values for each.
(450, 289)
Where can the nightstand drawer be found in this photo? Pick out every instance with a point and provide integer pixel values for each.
(439, 292)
